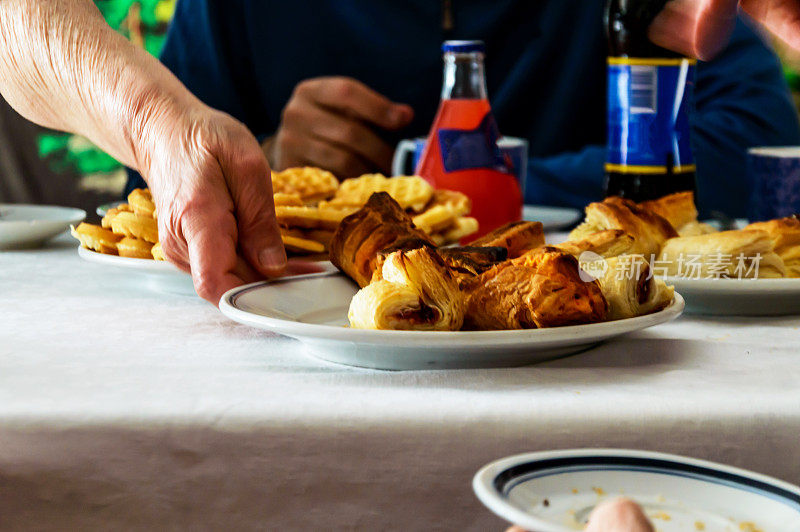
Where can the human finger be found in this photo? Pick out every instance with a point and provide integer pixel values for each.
(349, 96)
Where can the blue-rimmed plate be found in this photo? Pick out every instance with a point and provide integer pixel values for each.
(554, 491)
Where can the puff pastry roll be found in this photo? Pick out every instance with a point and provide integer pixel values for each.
(726, 254)
(648, 229)
(785, 235)
(516, 237)
(414, 291)
(381, 225)
(608, 243)
(680, 211)
(629, 287)
(543, 288)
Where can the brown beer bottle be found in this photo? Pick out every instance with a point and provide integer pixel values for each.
(649, 106)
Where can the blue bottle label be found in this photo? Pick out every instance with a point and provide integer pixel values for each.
(468, 149)
(649, 101)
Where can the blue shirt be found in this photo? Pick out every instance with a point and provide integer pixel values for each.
(545, 68)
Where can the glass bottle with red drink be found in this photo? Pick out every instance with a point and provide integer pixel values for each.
(461, 152)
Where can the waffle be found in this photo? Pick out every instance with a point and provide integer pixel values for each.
(134, 247)
(157, 252)
(141, 202)
(461, 228)
(311, 184)
(311, 217)
(456, 201)
(435, 219)
(301, 245)
(133, 225)
(287, 199)
(411, 192)
(112, 213)
(96, 238)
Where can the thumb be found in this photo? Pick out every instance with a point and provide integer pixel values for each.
(259, 236)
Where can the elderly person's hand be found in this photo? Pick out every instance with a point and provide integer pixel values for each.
(336, 123)
(700, 28)
(63, 67)
(615, 515)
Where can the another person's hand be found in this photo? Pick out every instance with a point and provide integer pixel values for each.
(335, 123)
(615, 515)
(210, 182)
(700, 28)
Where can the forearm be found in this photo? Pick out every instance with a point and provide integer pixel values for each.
(63, 67)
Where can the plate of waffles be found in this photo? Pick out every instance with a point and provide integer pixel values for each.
(28, 226)
(555, 491)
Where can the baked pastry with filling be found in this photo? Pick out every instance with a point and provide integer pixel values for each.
(680, 211)
(648, 229)
(414, 291)
(629, 287)
(516, 237)
(381, 225)
(543, 288)
(608, 243)
(726, 254)
(785, 235)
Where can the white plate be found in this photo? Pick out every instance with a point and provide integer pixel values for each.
(31, 225)
(164, 276)
(313, 309)
(554, 491)
(739, 297)
(552, 218)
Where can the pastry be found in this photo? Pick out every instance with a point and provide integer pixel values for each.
(542, 288)
(680, 211)
(785, 235)
(133, 225)
(310, 184)
(311, 217)
(648, 229)
(381, 225)
(471, 261)
(301, 245)
(608, 243)
(516, 237)
(415, 291)
(96, 238)
(726, 254)
(410, 192)
(135, 248)
(629, 287)
(157, 252)
(462, 227)
(141, 202)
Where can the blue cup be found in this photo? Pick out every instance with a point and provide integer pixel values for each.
(515, 148)
(775, 175)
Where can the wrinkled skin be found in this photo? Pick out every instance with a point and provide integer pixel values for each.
(335, 123)
(62, 67)
(700, 28)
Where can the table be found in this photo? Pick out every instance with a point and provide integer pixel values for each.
(122, 408)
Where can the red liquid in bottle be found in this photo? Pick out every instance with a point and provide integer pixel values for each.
(496, 195)
(461, 153)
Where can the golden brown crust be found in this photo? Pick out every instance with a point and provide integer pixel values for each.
(678, 208)
(134, 248)
(516, 237)
(380, 225)
(648, 229)
(608, 243)
(784, 232)
(540, 289)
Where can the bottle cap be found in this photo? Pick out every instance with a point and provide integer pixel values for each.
(463, 47)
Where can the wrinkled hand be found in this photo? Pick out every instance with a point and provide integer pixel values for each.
(210, 182)
(615, 515)
(334, 123)
(700, 28)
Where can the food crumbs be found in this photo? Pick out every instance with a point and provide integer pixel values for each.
(661, 515)
(599, 491)
(546, 503)
(699, 525)
(749, 526)
(575, 491)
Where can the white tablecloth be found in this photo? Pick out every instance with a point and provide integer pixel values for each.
(125, 408)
